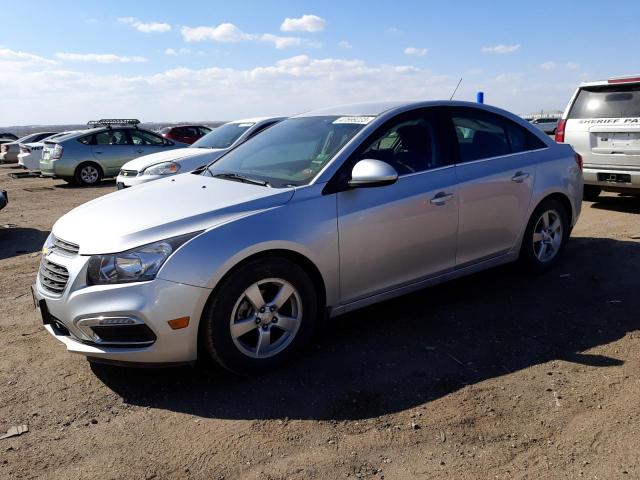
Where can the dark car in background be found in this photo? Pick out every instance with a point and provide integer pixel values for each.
(184, 133)
(7, 135)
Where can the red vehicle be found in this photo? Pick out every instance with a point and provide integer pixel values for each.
(184, 133)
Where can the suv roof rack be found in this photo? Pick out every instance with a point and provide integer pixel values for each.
(107, 122)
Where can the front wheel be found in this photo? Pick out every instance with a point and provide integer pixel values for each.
(545, 236)
(260, 316)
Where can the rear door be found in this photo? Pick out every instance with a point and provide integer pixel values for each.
(603, 125)
(112, 149)
(495, 169)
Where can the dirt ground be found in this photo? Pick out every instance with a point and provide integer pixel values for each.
(500, 375)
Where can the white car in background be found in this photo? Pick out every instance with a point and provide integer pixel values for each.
(31, 153)
(182, 160)
(547, 125)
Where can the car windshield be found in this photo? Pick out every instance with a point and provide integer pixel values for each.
(617, 101)
(291, 152)
(224, 136)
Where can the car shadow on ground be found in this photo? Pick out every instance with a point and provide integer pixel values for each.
(624, 204)
(16, 240)
(420, 347)
(109, 183)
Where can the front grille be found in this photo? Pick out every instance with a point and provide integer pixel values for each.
(129, 173)
(53, 277)
(65, 246)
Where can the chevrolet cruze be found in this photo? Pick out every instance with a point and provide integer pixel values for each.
(321, 214)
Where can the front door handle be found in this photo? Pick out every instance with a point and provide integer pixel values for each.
(441, 198)
(139, 150)
(520, 177)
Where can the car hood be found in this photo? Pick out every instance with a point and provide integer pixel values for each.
(162, 209)
(174, 155)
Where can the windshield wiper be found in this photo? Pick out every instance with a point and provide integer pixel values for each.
(240, 178)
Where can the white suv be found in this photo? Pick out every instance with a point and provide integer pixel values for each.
(602, 124)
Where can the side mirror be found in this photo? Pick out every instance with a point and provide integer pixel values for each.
(372, 173)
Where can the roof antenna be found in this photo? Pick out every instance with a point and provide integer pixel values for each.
(456, 89)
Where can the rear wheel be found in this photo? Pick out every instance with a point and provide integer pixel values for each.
(591, 193)
(261, 315)
(545, 236)
(88, 174)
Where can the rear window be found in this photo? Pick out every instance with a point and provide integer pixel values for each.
(617, 101)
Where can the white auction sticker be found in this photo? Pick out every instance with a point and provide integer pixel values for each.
(355, 120)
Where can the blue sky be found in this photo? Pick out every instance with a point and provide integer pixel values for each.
(69, 61)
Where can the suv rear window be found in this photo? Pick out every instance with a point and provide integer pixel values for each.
(617, 101)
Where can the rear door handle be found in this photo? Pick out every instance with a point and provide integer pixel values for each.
(441, 198)
(98, 152)
(139, 150)
(520, 177)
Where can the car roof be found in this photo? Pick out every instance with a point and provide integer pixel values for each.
(257, 119)
(627, 79)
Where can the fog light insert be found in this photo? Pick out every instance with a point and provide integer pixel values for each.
(178, 323)
(117, 331)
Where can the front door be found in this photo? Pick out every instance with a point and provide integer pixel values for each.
(394, 235)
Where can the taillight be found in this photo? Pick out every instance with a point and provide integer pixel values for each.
(560, 131)
(57, 152)
(579, 161)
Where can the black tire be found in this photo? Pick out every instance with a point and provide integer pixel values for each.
(215, 337)
(591, 193)
(529, 250)
(88, 174)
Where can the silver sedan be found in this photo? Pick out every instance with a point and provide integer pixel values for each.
(321, 214)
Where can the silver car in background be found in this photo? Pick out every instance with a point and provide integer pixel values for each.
(321, 214)
(203, 151)
(546, 124)
(602, 123)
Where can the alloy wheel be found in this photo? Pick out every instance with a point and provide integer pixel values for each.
(266, 318)
(547, 236)
(89, 174)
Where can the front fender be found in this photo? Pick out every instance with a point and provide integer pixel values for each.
(305, 225)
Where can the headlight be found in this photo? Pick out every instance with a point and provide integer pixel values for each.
(137, 265)
(165, 168)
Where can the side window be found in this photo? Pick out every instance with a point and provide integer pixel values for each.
(86, 140)
(480, 135)
(407, 143)
(141, 137)
(111, 137)
(521, 139)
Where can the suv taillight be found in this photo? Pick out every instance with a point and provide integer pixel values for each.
(579, 161)
(57, 152)
(560, 131)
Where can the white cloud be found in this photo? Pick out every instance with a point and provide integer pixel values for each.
(39, 90)
(98, 58)
(225, 32)
(394, 31)
(345, 44)
(419, 52)
(173, 51)
(230, 33)
(548, 65)
(572, 66)
(501, 49)
(306, 23)
(145, 27)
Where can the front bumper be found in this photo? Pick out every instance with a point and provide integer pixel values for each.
(129, 181)
(152, 304)
(612, 178)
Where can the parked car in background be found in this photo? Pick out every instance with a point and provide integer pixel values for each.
(547, 125)
(184, 133)
(31, 153)
(602, 123)
(9, 151)
(204, 151)
(8, 135)
(88, 156)
(4, 199)
(321, 214)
